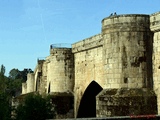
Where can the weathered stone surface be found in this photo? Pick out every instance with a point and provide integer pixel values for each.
(64, 104)
(155, 27)
(126, 102)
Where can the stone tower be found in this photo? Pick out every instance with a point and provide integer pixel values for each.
(60, 75)
(127, 58)
(126, 51)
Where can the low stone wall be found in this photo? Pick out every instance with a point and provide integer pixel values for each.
(64, 104)
(126, 102)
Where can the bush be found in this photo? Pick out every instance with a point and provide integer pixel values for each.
(35, 107)
(5, 107)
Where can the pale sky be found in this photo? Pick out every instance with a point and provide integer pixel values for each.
(29, 27)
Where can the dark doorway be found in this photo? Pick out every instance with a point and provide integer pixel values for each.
(49, 88)
(87, 107)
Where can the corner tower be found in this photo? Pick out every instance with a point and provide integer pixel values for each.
(126, 51)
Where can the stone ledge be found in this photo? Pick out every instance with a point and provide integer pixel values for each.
(124, 102)
(61, 94)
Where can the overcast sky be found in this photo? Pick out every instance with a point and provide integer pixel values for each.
(29, 27)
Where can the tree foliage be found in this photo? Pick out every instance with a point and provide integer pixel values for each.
(3, 79)
(17, 74)
(5, 107)
(14, 74)
(35, 107)
(10, 86)
(16, 78)
(2, 69)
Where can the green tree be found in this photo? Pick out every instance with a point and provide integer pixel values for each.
(2, 69)
(17, 74)
(35, 107)
(24, 73)
(5, 98)
(16, 77)
(14, 74)
(2, 79)
(5, 107)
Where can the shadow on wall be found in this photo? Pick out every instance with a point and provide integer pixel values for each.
(49, 88)
(87, 107)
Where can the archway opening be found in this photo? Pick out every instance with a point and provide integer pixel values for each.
(87, 107)
(49, 88)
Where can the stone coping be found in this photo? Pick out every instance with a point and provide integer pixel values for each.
(61, 94)
(126, 92)
(126, 15)
(155, 13)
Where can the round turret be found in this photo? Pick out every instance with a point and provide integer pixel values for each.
(60, 70)
(127, 51)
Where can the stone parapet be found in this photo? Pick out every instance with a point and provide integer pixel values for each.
(86, 44)
(155, 22)
(131, 22)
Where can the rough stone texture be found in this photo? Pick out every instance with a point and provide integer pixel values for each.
(125, 54)
(126, 102)
(60, 65)
(64, 110)
(155, 27)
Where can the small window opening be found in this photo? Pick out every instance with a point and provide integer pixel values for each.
(125, 80)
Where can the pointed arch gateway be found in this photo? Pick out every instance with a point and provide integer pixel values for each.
(87, 107)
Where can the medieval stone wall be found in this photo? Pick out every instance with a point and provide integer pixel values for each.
(155, 27)
(88, 65)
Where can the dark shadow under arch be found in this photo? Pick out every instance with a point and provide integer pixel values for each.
(87, 107)
(49, 88)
